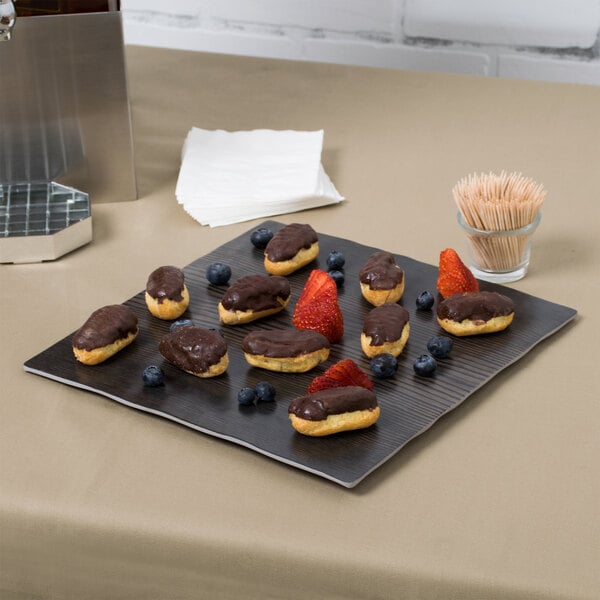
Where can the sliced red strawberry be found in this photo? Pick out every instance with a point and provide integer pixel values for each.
(343, 373)
(347, 372)
(454, 276)
(318, 308)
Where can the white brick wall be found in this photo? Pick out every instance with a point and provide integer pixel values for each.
(550, 40)
(552, 24)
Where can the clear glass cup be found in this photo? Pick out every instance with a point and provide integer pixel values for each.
(499, 256)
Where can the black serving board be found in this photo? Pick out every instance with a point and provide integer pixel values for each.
(409, 404)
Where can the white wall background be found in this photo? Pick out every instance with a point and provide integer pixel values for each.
(548, 40)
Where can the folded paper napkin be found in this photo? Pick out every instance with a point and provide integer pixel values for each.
(233, 176)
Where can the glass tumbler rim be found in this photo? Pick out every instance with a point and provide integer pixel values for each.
(529, 228)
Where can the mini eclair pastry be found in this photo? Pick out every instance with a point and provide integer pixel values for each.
(105, 332)
(285, 350)
(167, 296)
(292, 247)
(472, 313)
(200, 352)
(333, 410)
(381, 279)
(253, 297)
(385, 330)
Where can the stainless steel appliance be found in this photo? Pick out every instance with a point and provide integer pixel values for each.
(64, 107)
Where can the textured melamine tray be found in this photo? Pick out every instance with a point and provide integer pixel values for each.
(409, 404)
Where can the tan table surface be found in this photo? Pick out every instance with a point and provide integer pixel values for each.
(500, 499)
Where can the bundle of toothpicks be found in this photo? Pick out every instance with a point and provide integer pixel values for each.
(491, 203)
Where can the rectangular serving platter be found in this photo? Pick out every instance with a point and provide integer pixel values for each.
(410, 404)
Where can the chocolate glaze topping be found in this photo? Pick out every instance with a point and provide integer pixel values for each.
(256, 292)
(289, 240)
(385, 323)
(105, 326)
(166, 283)
(381, 272)
(193, 349)
(333, 401)
(283, 343)
(476, 306)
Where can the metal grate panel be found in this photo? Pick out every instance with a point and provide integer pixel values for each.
(28, 209)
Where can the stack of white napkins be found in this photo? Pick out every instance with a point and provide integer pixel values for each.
(232, 176)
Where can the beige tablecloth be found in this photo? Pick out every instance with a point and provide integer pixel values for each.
(499, 500)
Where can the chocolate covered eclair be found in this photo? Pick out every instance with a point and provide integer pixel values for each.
(472, 313)
(291, 248)
(334, 410)
(285, 350)
(167, 296)
(200, 352)
(254, 297)
(106, 331)
(381, 279)
(386, 329)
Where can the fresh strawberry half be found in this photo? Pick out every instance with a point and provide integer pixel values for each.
(318, 308)
(343, 373)
(454, 276)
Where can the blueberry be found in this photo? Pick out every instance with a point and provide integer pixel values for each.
(424, 301)
(246, 396)
(153, 376)
(336, 260)
(265, 392)
(384, 365)
(425, 365)
(440, 346)
(218, 273)
(261, 237)
(338, 277)
(181, 323)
